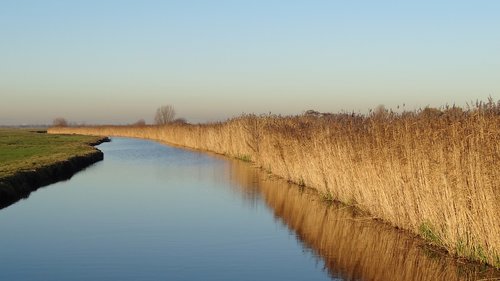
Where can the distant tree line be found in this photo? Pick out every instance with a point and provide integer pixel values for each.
(59, 122)
(165, 114)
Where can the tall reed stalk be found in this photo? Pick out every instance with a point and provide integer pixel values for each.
(351, 245)
(434, 172)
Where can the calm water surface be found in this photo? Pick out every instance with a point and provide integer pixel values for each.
(153, 212)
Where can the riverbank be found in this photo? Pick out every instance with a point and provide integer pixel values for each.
(32, 159)
(432, 172)
(363, 248)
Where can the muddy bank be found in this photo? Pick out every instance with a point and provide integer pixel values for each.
(20, 185)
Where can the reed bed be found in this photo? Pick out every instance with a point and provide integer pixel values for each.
(434, 172)
(351, 245)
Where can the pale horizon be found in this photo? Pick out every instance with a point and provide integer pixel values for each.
(116, 62)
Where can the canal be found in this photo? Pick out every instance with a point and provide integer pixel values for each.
(154, 212)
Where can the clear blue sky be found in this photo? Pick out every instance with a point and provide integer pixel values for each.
(117, 61)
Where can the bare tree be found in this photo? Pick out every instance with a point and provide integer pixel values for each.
(59, 122)
(180, 121)
(379, 112)
(164, 114)
(140, 123)
(312, 112)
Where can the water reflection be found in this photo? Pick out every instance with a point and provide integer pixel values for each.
(153, 212)
(29, 184)
(353, 247)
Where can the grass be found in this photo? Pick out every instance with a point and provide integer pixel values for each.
(244, 158)
(434, 172)
(22, 150)
(426, 231)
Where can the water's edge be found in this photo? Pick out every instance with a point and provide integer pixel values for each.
(21, 184)
(435, 248)
(349, 245)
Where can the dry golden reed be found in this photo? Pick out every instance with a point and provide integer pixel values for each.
(352, 246)
(434, 172)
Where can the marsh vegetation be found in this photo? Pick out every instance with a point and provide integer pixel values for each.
(433, 172)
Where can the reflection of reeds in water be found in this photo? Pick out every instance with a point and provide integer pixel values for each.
(435, 172)
(352, 246)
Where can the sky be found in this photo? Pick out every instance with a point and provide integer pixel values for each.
(115, 62)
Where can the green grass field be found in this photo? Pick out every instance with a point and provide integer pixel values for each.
(23, 150)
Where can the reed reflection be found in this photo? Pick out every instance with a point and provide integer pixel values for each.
(352, 246)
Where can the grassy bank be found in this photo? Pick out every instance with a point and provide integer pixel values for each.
(24, 150)
(434, 172)
(30, 159)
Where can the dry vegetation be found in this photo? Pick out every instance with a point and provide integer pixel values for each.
(352, 246)
(434, 172)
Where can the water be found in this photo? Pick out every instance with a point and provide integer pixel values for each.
(153, 212)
